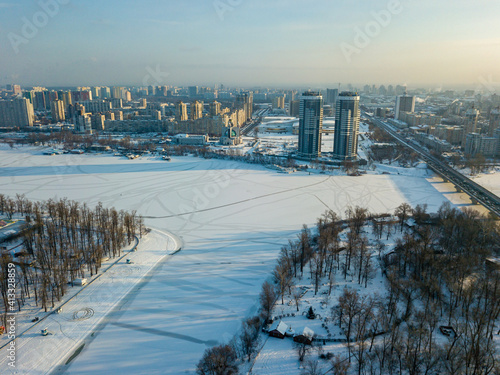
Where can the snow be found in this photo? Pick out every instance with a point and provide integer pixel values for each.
(279, 326)
(232, 218)
(81, 315)
(490, 181)
(281, 358)
(306, 332)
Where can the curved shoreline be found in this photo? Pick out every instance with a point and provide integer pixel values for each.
(117, 310)
(55, 309)
(106, 294)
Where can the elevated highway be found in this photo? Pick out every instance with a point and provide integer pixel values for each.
(477, 193)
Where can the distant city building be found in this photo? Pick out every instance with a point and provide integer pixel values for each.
(224, 95)
(382, 112)
(310, 124)
(345, 143)
(279, 102)
(193, 91)
(470, 124)
(38, 101)
(260, 97)
(66, 98)
(81, 96)
(98, 121)
(210, 95)
(294, 109)
(16, 113)
(231, 136)
(478, 144)
(496, 134)
(109, 116)
(118, 115)
(433, 142)
(404, 104)
(135, 126)
(156, 115)
(494, 121)
(215, 108)
(105, 92)
(117, 103)
(152, 90)
(331, 96)
(414, 119)
(57, 109)
(15, 89)
(451, 134)
(400, 90)
(181, 112)
(188, 139)
(83, 122)
(96, 92)
(116, 92)
(96, 106)
(290, 95)
(244, 101)
(143, 103)
(29, 95)
(196, 110)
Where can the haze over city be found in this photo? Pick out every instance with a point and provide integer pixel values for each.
(251, 43)
(225, 187)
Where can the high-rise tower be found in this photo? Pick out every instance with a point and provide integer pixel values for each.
(345, 142)
(470, 124)
(196, 110)
(494, 121)
(310, 124)
(181, 112)
(57, 110)
(404, 103)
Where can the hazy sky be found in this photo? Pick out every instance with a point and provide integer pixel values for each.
(250, 42)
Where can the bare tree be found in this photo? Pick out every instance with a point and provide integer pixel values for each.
(268, 297)
(219, 360)
(340, 366)
(403, 211)
(297, 295)
(302, 349)
(249, 337)
(282, 275)
(312, 367)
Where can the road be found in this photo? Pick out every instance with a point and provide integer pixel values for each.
(478, 193)
(249, 127)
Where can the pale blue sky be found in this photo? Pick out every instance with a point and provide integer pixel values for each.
(251, 43)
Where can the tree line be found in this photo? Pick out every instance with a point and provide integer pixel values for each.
(62, 240)
(438, 280)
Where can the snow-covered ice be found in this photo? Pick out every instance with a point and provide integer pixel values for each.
(233, 219)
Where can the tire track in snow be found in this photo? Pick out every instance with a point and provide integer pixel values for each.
(238, 202)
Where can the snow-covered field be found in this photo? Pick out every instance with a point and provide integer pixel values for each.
(490, 181)
(233, 219)
(82, 315)
(278, 356)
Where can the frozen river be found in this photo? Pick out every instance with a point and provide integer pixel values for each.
(232, 219)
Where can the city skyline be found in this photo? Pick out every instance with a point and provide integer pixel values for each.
(242, 43)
